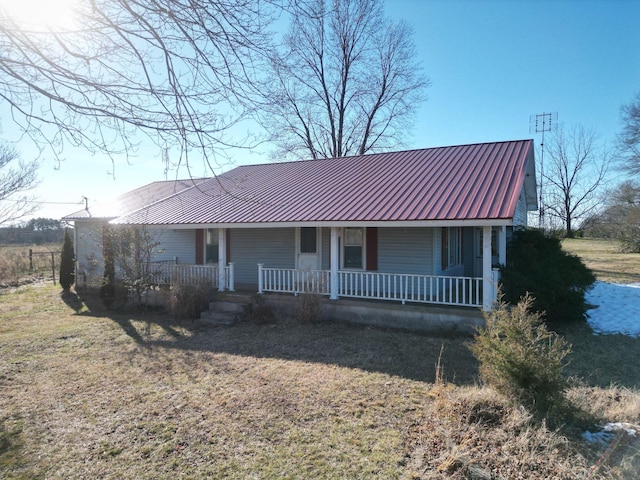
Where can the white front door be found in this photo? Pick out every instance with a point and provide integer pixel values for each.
(308, 251)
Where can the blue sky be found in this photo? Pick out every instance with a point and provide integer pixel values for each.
(492, 64)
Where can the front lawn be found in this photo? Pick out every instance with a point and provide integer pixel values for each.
(89, 393)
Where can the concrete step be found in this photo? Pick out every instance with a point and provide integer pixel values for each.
(218, 318)
(225, 306)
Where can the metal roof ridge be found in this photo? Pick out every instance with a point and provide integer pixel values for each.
(392, 152)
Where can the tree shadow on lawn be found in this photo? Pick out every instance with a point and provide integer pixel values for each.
(406, 354)
(603, 360)
(89, 303)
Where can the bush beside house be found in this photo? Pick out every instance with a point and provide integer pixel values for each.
(557, 280)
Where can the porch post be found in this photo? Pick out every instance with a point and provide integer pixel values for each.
(260, 279)
(222, 259)
(502, 245)
(232, 287)
(335, 261)
(488, 289)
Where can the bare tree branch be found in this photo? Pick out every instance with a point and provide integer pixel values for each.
(629, 138)
(181, 72)
(576, 172)
(345, 81)
(16, 179)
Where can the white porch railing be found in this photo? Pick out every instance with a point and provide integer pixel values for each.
(442, 290)
(170, 273)
(289, 280)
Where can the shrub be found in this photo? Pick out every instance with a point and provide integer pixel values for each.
(67, 263)
(257, 310)
(521, 358)
(536, 264)
(188, 301)
(309, 308)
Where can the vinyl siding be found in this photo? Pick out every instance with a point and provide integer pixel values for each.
(175, 244)
(520, 216)
(273, 247)
(405, 250)
(89, 252)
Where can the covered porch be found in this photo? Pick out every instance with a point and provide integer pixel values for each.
(339, 275)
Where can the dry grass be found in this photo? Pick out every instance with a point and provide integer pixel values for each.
(16, 269)
(88, 393)
(605, 259)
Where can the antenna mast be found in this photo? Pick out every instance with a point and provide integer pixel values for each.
(541, 123)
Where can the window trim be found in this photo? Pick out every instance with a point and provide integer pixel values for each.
(363, 246)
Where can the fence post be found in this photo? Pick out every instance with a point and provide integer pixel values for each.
(260, 280)
(30, 259)
(53, 267)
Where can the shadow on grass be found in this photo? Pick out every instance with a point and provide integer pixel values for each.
(89, 303)
(603, 360)
(399, 353)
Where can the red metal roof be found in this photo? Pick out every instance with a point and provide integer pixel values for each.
(459, 183)
(134, 200)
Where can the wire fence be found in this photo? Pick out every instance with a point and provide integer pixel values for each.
(19, 263)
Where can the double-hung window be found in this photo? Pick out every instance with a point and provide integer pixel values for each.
(353, 250)
(451, 247)
(211, 253)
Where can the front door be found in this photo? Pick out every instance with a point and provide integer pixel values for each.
(308, 248)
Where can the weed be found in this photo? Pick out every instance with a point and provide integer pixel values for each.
(309, 308)
(258, 311)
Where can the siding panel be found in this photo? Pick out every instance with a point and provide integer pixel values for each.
(174, 244)
(405, 250)
(273, 247)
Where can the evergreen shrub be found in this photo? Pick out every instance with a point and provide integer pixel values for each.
(521, 358)
(67, 263)
(557, 280)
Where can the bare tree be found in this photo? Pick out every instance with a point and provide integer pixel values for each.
(179, 71)
(576, 170)
(345, 81)
(16, 179)
(629, 138)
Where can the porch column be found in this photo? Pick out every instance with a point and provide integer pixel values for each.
(335, 261)
(222, 258)
(488, 289)
(502, 245)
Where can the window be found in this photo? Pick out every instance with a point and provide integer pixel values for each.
(308, 240)
(211, 252)
(451, 247)
(353, 248)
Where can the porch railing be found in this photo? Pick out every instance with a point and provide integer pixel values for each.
(442, 290)
(165, 273)
(289, 280)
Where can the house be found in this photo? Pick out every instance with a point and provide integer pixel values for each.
(417, 226)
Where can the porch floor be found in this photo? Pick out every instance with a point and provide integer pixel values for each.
(379, 313)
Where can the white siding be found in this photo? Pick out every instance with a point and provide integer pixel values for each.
(520, 216)
(273, 247)
(405, 250)
(89, 252)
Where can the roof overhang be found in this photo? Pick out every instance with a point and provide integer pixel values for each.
(491, 222)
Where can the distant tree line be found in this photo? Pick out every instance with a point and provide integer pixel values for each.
(35, 231)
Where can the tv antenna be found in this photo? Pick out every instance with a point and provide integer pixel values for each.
(541, 123)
